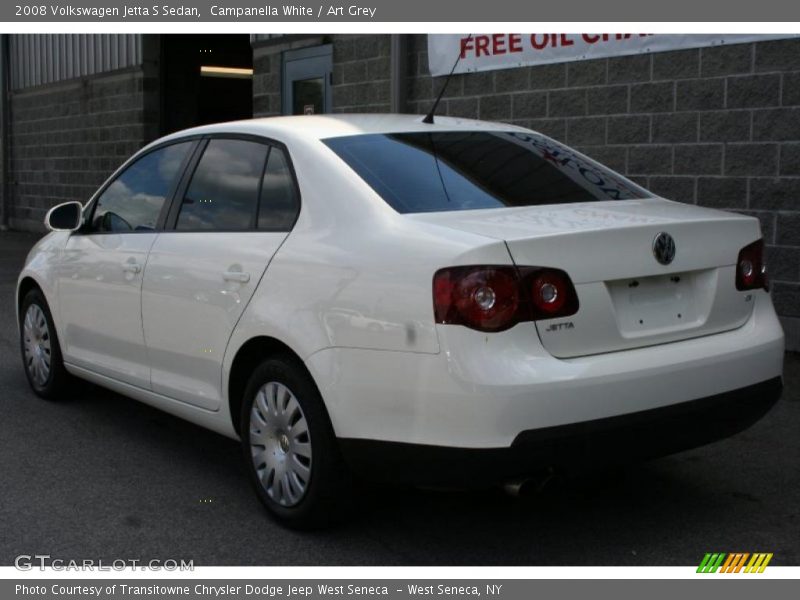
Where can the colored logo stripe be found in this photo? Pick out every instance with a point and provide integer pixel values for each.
(758, 563)
(711, 563)
(734, 562)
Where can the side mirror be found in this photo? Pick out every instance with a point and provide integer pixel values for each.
(65, 217)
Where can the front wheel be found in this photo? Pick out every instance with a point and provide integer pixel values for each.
(41, 353)
(289, 447)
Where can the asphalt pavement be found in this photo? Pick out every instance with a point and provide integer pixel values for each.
(101, 476)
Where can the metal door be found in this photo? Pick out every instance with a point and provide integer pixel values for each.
(307, 80)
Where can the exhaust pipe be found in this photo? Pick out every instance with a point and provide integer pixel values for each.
(529, 486)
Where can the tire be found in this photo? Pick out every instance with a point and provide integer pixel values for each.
(289, 447)
(40, 348)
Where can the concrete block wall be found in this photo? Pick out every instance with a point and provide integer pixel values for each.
(718, 127)
(361, 73)
(2, 174)
(67, 138)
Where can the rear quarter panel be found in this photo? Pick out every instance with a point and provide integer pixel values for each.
(353, 273)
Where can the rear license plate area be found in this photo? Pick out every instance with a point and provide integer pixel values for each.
(646, 305)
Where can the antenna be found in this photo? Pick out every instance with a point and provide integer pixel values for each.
(429, 117)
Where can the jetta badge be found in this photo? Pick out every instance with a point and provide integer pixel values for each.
(664, 248)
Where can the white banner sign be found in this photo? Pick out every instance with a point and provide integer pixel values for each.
(484, 52)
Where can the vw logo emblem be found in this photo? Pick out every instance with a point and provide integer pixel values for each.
(664, 248)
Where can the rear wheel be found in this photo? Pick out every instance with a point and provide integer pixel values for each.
(41, 353)
(289, 447)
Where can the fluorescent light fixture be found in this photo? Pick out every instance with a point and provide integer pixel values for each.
(227, 72)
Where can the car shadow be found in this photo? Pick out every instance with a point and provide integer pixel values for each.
(622, 516)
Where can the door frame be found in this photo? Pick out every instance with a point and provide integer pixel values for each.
(292, 60)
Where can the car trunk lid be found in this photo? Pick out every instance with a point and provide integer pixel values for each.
(627, 297)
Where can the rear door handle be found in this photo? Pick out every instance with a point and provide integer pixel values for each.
(236, 276)
(131, 268)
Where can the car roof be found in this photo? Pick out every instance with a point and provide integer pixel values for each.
(317, 127)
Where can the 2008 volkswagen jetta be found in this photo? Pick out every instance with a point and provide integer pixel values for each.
(459, 302)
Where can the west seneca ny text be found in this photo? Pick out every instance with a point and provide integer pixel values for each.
(263, 11)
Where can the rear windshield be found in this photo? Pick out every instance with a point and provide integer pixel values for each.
(444, 171)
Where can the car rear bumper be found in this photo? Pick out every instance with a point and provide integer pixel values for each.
(612, 440)
(483, 390)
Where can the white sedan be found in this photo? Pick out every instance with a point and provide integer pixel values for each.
(452, 303)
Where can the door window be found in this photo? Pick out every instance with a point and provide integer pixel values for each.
(223, 192)
(133, 202)
(308, 96)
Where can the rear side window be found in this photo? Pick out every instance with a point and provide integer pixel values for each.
(279, 203)
(446, 171)
(224, 189)
(134, 200)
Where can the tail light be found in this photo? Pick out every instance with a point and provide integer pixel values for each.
(751, 270)
(495, 298)
(552, 294)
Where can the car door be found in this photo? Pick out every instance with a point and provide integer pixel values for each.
(100, 276)
(231, 214)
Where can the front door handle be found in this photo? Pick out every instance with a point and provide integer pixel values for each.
(132, 268)
(237, 276)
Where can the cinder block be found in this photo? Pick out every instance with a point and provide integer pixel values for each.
(548, 76)
(567, 103)
(791, 89)
(753, 91)
(700, 94)
(725, 126)
(698, 159)
(783, 263)
(778, 55)
(628, 130)
(587, 72)
(675, 127)
(786, 298)
(650, 160)
(781, 194)
(776, 124)
(607, 100)
(512, 80)
(587, 130)
(722, 192)
(495, 108)
(652, 97)
(629, 69)
(681, 64)
(680, 189)
(529, 105)
(787, 230)
(790, 159)
(751, 159)
(726, 60)
(463, 107)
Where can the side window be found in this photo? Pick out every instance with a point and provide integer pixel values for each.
(223, 192)
(134, 200)
(278, 207)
